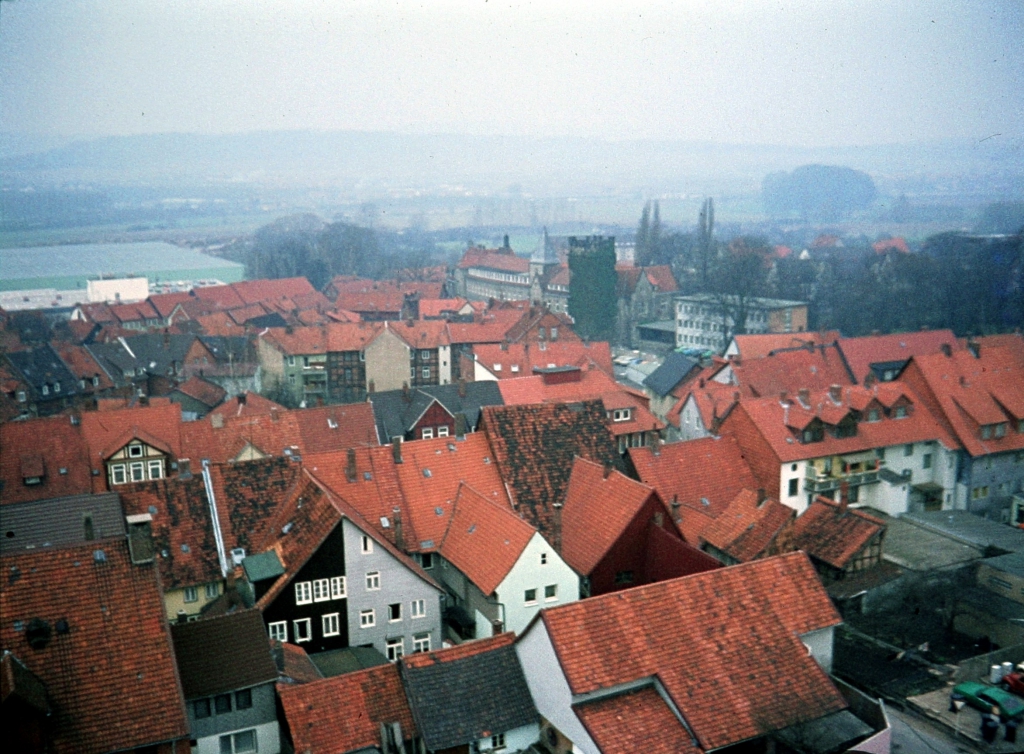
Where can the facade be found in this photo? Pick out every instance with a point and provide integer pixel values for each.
(705, 321)
(645, 295)
(484, 274)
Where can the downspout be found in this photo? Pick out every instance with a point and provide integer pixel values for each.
(215, 519)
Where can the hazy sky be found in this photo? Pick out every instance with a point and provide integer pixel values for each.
(735, 71)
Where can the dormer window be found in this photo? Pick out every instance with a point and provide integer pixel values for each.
(986, 432)
(1000, 430)
(46, 390)
(873, 415)
(814, 433)
(900, 412)
(56, 387)
(135, 451)
(621, 414)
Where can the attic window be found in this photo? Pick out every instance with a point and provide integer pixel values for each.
(331, 423)
(426, 473)
(135, 451)
(515, 367)
(1000, 430)
(986, 432)
(497, 368)
(814, 434)
(367, 476)
(621, 415)
(900, 412)
(873, 415)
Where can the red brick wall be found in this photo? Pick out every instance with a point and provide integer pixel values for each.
(435, 416)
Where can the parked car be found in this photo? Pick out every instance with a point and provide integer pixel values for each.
(1015, 682)
(985, 697)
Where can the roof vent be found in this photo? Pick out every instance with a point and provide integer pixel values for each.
(384, 523)
(98, 556)
(439, 511)
(237, 555)
(286, 528)
(426, 473)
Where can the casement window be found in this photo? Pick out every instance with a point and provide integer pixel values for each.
(426, 373)
(424, 355)
(238, 743)
(321, 590)
(135, 451)
(900, 412)
(367, 618)
(329, 624)
(243, 699)
(543, 558)
(303, 628)
(1000, 430)
(794, 487)
(303, 593)
(201, 709)
(551, 592)
(530, 597)
(45, 390)
(395, 649)
(621, 415)
(222, 703)
(908, 449)
(394, 612)
(926, 461)
(498, 741)
(366, 545)
(873, 415)
(442, 431)
(118, 474)
(420, 643)
(138, 471)
(337, 587)
(191, 594)
(427, 560)
(372, 581)
(427, 433)
(291, 361)
(22, 397)
(156, 469)
(212, 590)
(418, 608)
(278, 630)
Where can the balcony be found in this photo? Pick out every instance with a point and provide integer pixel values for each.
(817, 482)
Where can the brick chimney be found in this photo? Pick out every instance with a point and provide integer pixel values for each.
(675, 506)
(350, 467)
(396, 514)
(396, 448)
(844, 497)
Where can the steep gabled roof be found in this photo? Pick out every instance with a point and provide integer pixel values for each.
(760, 345)
(484, 539)
(469, 692)
(110, 673)
(519, 359)
(247, 404)
(724, 644)
(864, 351)
(56, 443)
(204, 391)
(661, 278)
(42, 367)
(255, 291)
(425, 334)
(787, 370)
(747, 528)
(503, 260)
(397, 411)
(633, 721)
(157, 422)
(534, 447)
(344, 714)
(670, 373)
(224, 653)
(598, 508)
(833, 533)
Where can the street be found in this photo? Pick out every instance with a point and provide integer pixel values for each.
(912, 734)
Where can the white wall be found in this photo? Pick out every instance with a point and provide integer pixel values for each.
(691, 425)
(444, 354)
(793, 470)
(481, 373)
(548, 687)
(516, 740)
(268, 740)
(821, 643)
(529, 573)
(122, 290)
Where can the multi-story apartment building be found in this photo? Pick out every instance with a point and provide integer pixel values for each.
(708, 321)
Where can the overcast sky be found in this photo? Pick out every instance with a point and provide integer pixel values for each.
(732, 71)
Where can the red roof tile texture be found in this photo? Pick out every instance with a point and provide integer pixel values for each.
(503, 260)
(635, 721)
(207, 393)
(484, 539)
(343, 714)
(112, 676)
(861, 352)
(460, 651)
(723, 643)
(759, 346)
(787, 370)
(747, 528)
(57, 444)
(519, 359)
(832, 533)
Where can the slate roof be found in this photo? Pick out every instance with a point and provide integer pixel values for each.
(344, 714)
(397, 411)
(724, 644)
(535, 446)
(56, 443)
(635, 721)
(293, 664)
(672, 371)
(598, 508)
(41, 367)
(225, 653)
(484, 539)
(262, 565)
(833, 533)
(60, 521)
(466, 693)
(147, 353)
(107, 698)
(862, 352)
(746, 529)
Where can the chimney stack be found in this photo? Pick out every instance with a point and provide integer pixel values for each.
(675, 505)
(396, 448)
(396, 514)
(946, 350)
(350, 467)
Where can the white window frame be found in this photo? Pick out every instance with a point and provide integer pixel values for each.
(418, 609)
(424, 355)
(303, 593)
(278, 630)
(367, 618)
(395, 649)
(118, 470)
(527, 599)
(233, 737)
(137, 471)
(497, 741)
(135, 450)
(420, 643)
(425, 373)
(330, 624)
(338, 587)
(442, 431)
(303, 628)
(212, 590)
(155, 469)
(372, 581)
(366, 544)
(427, 433)
(321, 590)
(190, 594)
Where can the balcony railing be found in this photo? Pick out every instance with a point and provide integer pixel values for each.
(827, 482)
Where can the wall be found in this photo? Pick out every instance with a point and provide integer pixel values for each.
(994, 580)
(262, 713)
(174, 601)
(123, 290)
(516, 740)
(387, 362)
(1002, 474)
(629, 552)
(268, 740)
(759, 454)
(793, 470)
(398, 584)
(821, 643)
(528, 573)
(549, 688)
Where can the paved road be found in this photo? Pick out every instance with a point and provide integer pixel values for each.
(914, 735)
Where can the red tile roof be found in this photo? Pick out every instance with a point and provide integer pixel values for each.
(106, 432)
(833, 533)
(386, 302)
(164, 303)
(861, 352)
(204, 391)
(427, 334)
(759, 346)
(503, 260)
(112, 675)
(220, 324)
(344, 714)
(84, 366)
(295, 664)
(253, 404)
(484, 539)
(788, 370)
(891, 244)
(55, 442)
(519, 359)
(747, 529)
(660, 276)
(255, 291)
(431, 308)
(460, 651)
(249, 496)
(478, 332)
(711, 469)
(598, 508)
(134, 312)
(635, 721)
(724, 644)
(214, 297)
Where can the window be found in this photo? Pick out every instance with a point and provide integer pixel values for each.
(424, 355)
(222, 703)
(624, 577)
(426, 373)
(900, 412)
(118, 474)
(337, 587)
(156, 469)
(212, 590)
(395, 649)
(46, 390)
(926, 461)
(498, 741)
(243, 699)
(621, 415)
(191, 594)
(303, 593)
(367, 618)
(794, 487)
(442, 431)
(873, 415)
(420, 643)
(56, 387)
(321, 590)
(291, 361)
(908, 449)
(530, 597)
(1001, 430)
(201, 708)
(238, 743)
(279, 630)
(427, 560)
(418, 608)
(554, 333)
(880, 454)
(366, 545)
(22, 397)
(550, 592)
(543, 558)
(427, 433)
(138, 471)
(372, 580)
(979, 492)
(395, 612)
(135, 451)
(95, 381)
(303, 630)
(329, 624)
(986, 432)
